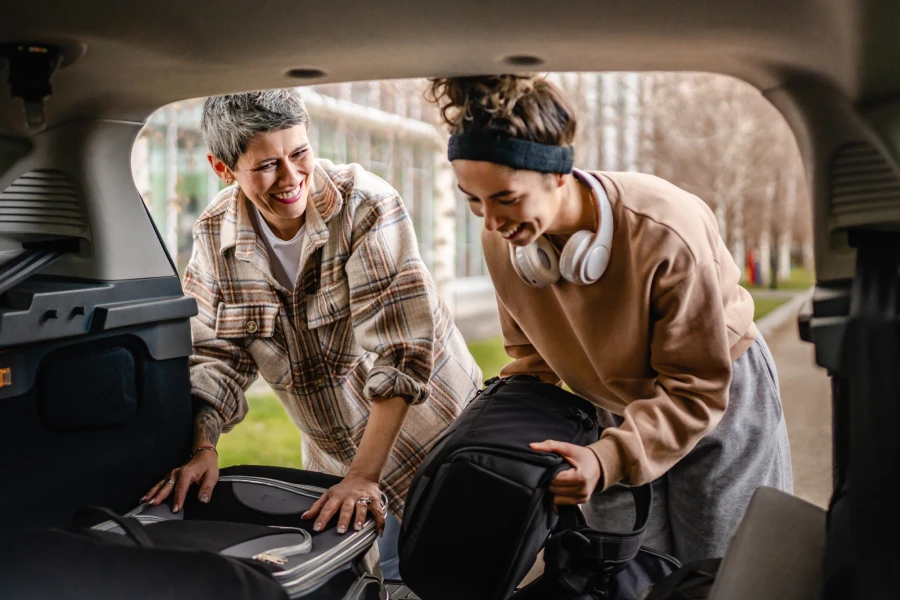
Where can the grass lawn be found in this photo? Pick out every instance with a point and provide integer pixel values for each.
(765, 305)
(490, 356)
(800, 279)
(266, 437)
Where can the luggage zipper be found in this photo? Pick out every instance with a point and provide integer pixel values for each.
(279, 556)
(270, 558)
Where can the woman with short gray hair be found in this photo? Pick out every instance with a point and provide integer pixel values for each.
(308, 274)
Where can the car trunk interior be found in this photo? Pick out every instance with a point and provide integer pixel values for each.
(95, 330)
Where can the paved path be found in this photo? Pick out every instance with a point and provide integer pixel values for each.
(806, 396)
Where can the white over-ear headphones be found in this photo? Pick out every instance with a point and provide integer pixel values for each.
(583, 259)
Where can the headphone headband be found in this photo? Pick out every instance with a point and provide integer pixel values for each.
(604, 234)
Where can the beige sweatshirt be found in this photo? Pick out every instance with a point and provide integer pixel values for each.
(653, 340)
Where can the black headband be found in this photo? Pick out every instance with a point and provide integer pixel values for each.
(518, 154)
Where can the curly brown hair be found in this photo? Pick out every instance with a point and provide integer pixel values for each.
(525, 107)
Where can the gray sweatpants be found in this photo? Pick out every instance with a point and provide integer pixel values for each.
(699, 501)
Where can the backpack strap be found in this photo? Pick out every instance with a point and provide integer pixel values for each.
(693, 580)
(611, 546)
(131, 527)
(579, 559)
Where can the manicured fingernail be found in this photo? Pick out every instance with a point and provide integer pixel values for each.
(303, 516)
(175, 509)
(143, 498)
(204, 498)
(341, 529)
(358, 525)
(317, 527)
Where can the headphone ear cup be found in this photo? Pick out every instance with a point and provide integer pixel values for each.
(537, 263)
(572, 257)
(594, 264)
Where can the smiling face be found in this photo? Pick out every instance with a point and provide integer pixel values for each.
(275, 173)
(521, 205)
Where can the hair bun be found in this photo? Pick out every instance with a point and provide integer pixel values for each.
(521, 106)
(491, 96)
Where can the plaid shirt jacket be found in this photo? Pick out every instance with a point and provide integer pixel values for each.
(363, 321)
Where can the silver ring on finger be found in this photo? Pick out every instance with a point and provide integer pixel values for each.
(169, 482)
(365, 500)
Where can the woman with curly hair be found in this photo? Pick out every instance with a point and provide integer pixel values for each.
(620, 286)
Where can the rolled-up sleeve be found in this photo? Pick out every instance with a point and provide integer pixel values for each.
(393, 301)
(221, 369)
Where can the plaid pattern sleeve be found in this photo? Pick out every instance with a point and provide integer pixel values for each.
(221, 368)
(392, 302)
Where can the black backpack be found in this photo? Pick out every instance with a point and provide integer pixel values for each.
(480, 500)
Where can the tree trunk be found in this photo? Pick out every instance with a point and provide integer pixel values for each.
(765, 253)
(737, 230)
(784, 255)
(444, 263)
(592, 125)
(786, 239)
(766, 238)
(631, 88)
(611, 121)
(646, 149)
(773, 270)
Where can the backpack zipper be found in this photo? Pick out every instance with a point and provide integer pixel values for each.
(488, 384)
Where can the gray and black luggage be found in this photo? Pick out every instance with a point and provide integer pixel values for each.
(247, 542)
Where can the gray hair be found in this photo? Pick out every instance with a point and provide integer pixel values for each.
(230, 122)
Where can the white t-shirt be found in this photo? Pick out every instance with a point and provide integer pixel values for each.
(284, 255)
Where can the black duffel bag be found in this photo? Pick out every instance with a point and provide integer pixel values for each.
(479, 503)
